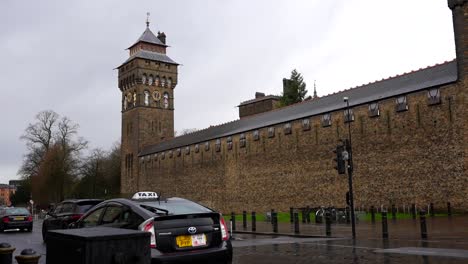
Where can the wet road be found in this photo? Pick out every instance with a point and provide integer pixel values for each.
(283, 249)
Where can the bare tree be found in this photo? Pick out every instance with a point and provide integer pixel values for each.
(53, 155)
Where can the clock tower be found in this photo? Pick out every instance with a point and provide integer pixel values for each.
(147, 80)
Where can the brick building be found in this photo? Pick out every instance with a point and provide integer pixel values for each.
(409, 139)
(5, 192)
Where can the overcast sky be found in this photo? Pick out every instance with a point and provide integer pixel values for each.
(61, 55)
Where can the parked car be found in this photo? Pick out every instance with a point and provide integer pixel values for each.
(180, 229)
(15, 218)
(65, 213)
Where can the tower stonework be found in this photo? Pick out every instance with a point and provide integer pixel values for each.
(147, 80)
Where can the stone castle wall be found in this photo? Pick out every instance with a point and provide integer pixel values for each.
(415, 156)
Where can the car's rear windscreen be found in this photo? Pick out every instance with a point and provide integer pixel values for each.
(179, 207)
(17, 211)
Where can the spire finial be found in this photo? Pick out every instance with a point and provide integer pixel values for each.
(315, 91)
(147, 19)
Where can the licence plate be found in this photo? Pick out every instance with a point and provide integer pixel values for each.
(18, 218)
(191, 240)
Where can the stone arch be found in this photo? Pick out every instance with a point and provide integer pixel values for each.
(169, 82)
(157, 81)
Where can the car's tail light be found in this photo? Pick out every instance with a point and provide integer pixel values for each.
(29, 219)
(148, 226)
(6, 219)
(224, 229)
(75, 217)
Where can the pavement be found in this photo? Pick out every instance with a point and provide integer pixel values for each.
(447, 243)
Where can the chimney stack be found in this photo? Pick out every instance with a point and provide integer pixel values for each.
(162, 37)
(460, 28)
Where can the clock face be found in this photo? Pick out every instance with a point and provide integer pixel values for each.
(156, 95)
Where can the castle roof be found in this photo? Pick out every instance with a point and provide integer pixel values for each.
(150, 55)
(274, 97)
(394, 86)
(148, 37)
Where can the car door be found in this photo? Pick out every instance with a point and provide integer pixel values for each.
(120, 216)
(52, 220)
(92, 218)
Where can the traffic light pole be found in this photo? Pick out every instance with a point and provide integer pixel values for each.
(350, 171)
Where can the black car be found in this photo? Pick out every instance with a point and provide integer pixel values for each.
(15, 218)
(181, 230)
(65, 213)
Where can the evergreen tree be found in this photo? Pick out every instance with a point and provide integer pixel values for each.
(294, 89)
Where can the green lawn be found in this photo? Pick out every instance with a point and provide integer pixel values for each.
(284, 217)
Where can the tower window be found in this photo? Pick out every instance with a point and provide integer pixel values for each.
(271, 132)
(242, 140)
(433, 96)
(143, 79)
(169, 83)
(306, 124)
(163, 81)
(147, 95)
(197, 148)
(178, 152)
(166, 100)
(150, 80)
(348, 115)
(156, 81)
(171, 153)
(163, 155)
(218, 145)
(287, 129)
(207, 146)
(229, 143)
(401, 104)
(374, 109)
(256, 135)
(326, 120)
(187, 150)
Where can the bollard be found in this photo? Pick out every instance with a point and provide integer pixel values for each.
(274, 220)
(422, 218)
(233, 221)
(384, 225)
(328, 223)
(303, 215)
(271, 216)
(432, 213)
(254, 222)
(6, 253)
(308, 214)
(393, 212)
(372, 211)
(449, 209)
(296, 223)
(413, 211)
(291, 216)
(28, 256)
(244, 219)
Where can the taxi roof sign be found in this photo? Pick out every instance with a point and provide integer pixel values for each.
(145, 195)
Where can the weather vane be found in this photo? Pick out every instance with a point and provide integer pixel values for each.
(147, 19)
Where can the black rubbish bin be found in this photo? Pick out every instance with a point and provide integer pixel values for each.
(103, 245)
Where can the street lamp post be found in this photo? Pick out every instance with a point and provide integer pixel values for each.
(350, 168)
